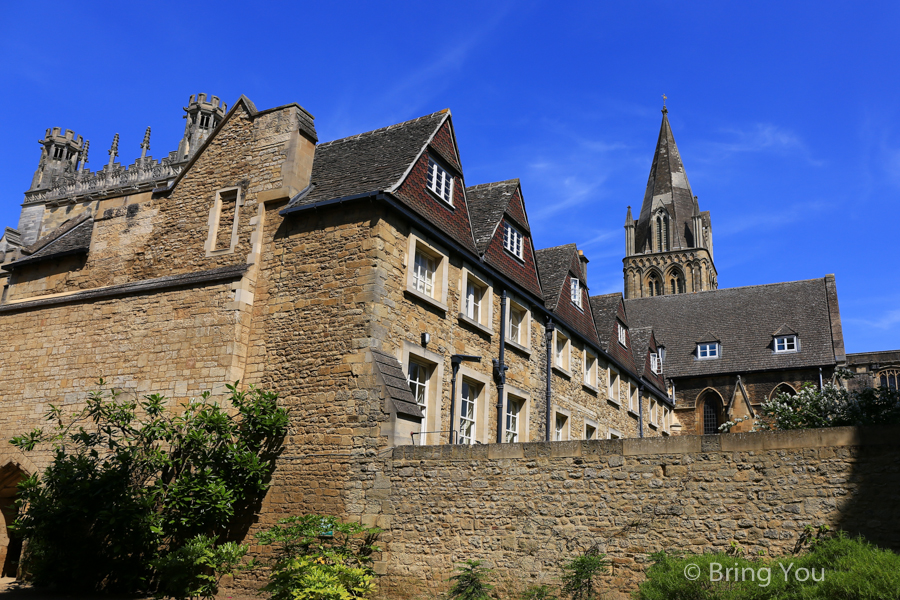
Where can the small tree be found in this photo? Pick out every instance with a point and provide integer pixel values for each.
(580, 574)
(832, 406)
(319, 558)
(135, 484)
(470, 582)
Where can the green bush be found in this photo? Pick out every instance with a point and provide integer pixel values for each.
(580, 574)
(319, 558)
(471, 582)
(838, 567)
(133, 483)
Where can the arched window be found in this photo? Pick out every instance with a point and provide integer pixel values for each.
(889, 378)
(782, 388)
(662, 233)
(666, 242)
(710, 418)
(653, 287)
(676, 282)
(709, 413)
(659, 233)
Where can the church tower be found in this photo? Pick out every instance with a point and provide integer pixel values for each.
(668, 249)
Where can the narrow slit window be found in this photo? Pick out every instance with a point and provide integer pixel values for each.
(227, 214)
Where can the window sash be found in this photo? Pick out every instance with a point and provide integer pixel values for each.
(516, 317)
(576, 292)
(708, 350)
(423, 274)
(560, 426)
(622, 338)
(513, 408)
(786, 344)
(561, 342)
(467, 414)
(512, 239)
(474, 294)
(654, 362)
(590, 369)
(440, 182)
(417, 379)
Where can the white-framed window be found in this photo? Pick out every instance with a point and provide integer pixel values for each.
(590, 430)
(518, 324)
(476, 299)
(614, 381)
(786, 343)
(708, 350)
(468, 410)
(632, 397)
(590, 368)
(440, 182)
(561, 429)
(575, 287)
(423, 273)
(426, 272)
(614, 434)
(622, 332)
(653, 412)
(561, 350)
(512, 239)
(654, 363)
(513, 411)
(417, 376)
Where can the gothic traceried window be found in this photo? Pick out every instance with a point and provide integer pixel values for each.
(889, 378)
(710, 419)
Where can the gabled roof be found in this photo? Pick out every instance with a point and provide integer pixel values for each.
(395, 384)
(553, 267)
(668, 184)
(640, 346)
(605, 309)
(72, 237)
(373, 161)
(742, 320)
(487, 204)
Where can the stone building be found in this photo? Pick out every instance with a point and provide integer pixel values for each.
(387, 301)
(874, 369)
(725, 351)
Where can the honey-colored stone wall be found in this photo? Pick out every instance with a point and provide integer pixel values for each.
(523, 508)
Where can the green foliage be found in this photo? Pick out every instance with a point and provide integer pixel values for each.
(538, 592)
(580, 574)
(133, 481)
(471, 581)
(839, 567)
(195, 569)
(832, 406)
(319, 558)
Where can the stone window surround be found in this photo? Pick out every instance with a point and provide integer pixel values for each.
(595, 425)
(434, 392)
(633, 399)
(214, 214)
(438, 299)
(614, 383)
(567, 430)
(653, 406)
(590, 372)
(614, 434)
(524, 412)
(567, 354)
(486, 318)
(525, 328)
(482, 432)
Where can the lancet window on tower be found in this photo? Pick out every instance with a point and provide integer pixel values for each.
(653, 286)
(662, 232)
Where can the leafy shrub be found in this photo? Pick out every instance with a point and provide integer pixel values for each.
(832, 406)
(471, 581)
(838, 567)
(133, 482)
(580, 574)
(196, 568)
(538, 592)
(319, 558)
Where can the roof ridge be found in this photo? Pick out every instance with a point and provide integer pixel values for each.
(558, 247)
(494, 184)
(740, 287)
(382, 129)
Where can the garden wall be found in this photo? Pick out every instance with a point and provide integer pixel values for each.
(523, 508)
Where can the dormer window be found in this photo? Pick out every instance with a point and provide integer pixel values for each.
(576, 292)
(622, 333)
(440, 182)
(786, 343)
(655, 364)
(708, 350)
(512, 240)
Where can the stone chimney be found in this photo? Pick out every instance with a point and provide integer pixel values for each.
(584, 262)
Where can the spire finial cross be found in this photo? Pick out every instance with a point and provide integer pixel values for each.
(664, 109)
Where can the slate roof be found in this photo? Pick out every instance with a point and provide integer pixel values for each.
(744, 320)
(72, 237)
(395, 384)
(553, 266)
(487, 203)
(640, 346)
(372, 161)
(669, 184)
(605, 308)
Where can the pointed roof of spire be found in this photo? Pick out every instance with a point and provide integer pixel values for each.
(667, 187)
(629, 220)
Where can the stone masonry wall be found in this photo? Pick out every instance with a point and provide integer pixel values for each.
(522, 508)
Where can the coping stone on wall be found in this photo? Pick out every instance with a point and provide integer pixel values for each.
(683, 444)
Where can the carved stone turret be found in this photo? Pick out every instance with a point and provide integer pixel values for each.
(202, 117)
(59, 156)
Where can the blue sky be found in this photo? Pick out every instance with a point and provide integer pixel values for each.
(786, 114)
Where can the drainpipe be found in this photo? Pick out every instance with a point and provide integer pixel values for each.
(641, 409)
(455, 361)
(549, 336)
(500, 368)
(820, 379)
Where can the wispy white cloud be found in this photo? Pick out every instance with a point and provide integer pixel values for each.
(887, 320)
(773, 219)
(760, 138)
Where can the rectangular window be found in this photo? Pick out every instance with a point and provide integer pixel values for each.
(615, 434)
(423, 274)
(467, 411)
(576, 291)
(227, 210)
(562, 426)
(614, 386)
(787, 343)
(513, 410)
(622, 334)
(561, 358)
(516, 324)
(440, 182)
(204, 121)
(632, 398)
(417, 378)
(710, 350)
(653, 410)
(512, 239)
(590, 432)
(590, 368)
(474, 295)
(654, 363)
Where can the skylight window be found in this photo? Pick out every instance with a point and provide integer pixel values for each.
(512, 240)
(440, 182)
